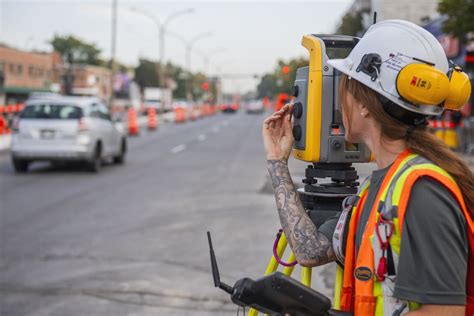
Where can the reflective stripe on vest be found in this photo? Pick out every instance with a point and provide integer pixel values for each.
(361, 292)
(349, 284)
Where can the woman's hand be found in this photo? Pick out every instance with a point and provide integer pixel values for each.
(277, 134)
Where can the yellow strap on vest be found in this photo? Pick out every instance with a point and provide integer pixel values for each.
(400, 167)
(397, 193)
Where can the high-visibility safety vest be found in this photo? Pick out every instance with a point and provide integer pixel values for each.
(370, 275)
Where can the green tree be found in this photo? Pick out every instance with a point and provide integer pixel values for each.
(78, 50)
(146, 73)
(279, 82)
(351, 24)
(460, 21)
(267, 86)
(179, 77)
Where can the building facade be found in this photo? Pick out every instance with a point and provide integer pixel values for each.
(91, 81)
(414, 11)
(27, 72)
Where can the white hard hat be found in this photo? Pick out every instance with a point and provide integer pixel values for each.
(384, 50)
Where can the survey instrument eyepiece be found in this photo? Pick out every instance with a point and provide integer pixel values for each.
(317, 117)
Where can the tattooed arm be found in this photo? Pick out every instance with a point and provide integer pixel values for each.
(310, 247)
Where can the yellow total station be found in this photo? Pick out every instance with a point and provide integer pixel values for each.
(317, 117)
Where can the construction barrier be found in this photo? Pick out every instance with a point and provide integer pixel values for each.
(446, 129)
(152, 120)
(3, 125)
(451, 136)
(193, 114)
(11, 108)
(133, 128)
(180, 115)
(202, 112)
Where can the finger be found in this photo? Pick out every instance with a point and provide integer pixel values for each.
(278, 123)
(287, 126)
(287, 107)
(290, 108)
(273, 118)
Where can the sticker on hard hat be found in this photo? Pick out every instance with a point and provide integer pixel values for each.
(396, 62)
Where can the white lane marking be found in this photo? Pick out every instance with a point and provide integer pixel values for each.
(215, 129)
(202, 137)
(178, 149)
(225, 123)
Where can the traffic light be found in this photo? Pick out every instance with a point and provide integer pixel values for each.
(205, 86)
(285, 70)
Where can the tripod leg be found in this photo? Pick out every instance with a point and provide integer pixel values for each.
(273, 265)
(306, 276)
(289, 270)
(338, 287)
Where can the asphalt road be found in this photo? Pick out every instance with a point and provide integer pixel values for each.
(131, 240)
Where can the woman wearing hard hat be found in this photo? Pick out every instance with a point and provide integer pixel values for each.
(409, 236)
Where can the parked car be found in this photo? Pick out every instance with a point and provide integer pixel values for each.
(63, 129)
(254, 106)
(229, 107)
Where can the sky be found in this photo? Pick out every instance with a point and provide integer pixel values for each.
(250, 35)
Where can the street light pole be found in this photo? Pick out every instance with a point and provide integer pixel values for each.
(162, 30)
(161, 26)
(113, 48)
(189, 48)
(207, 57)
(188, 45)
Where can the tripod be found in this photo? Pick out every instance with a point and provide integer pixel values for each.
(322, 200)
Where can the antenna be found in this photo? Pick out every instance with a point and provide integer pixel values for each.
(375, 17)
(215, 270)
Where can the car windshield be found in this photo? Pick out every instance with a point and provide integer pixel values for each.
(51, 111)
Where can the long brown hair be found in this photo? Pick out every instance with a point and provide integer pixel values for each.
(419, 141)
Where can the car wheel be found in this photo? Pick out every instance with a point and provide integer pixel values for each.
(120, 159)
(20, 165)
(96, 163)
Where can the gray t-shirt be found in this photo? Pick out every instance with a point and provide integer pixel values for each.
(434, 248)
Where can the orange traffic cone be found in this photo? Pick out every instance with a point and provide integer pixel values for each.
(179, 115)
(132, 122)
(152, 120)
(2, 125)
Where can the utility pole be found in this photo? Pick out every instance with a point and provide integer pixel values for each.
(162, 29)
(112, 57)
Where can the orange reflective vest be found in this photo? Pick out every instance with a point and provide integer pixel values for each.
(367, 290)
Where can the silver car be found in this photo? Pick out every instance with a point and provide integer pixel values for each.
(66, 129)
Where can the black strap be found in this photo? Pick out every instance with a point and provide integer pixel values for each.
(403, 115)
(390, 262)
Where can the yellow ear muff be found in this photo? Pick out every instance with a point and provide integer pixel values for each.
(459, 89)
(422, 84)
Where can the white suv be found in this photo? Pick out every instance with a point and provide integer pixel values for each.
(66, 129)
